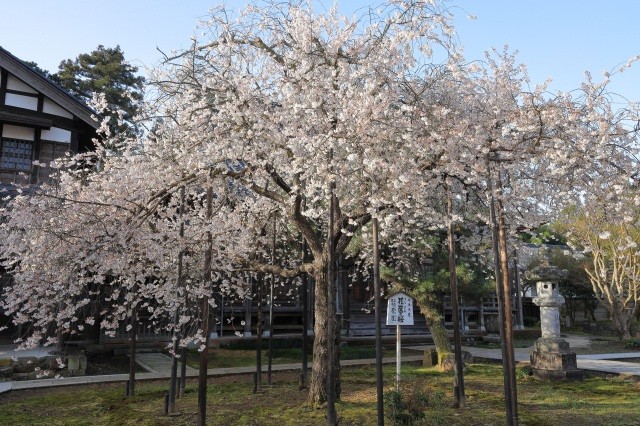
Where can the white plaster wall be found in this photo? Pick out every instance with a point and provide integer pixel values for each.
(18, 132)
(51, 107)
(56, 134)
(27, 102)
(14, 83)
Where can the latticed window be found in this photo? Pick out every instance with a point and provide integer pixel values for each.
(16, 155)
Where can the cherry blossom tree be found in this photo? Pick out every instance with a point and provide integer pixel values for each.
(298, 101)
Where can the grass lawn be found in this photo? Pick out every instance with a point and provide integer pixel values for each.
(596, 401)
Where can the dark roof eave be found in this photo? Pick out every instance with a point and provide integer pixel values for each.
(8, 117)
(48, 88)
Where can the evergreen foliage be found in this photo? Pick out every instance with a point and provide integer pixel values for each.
(105, 71)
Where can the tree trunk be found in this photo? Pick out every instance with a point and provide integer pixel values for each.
(437, 330)
(626, 334)
(318, 384)
(618, 318)
(621, 324)
(459, 400)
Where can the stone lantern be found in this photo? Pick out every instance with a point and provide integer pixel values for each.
(552, 359)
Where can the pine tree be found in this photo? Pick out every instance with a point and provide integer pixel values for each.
(105, 71)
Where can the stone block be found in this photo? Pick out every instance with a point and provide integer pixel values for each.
(77, 361)
(553, 360)
(25, 365)
(430, 358)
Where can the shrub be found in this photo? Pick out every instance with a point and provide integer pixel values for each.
(531, 321)
(524, 372)
(407, 408)
(632, 344)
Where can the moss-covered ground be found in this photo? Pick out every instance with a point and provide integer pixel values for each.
(596, 401)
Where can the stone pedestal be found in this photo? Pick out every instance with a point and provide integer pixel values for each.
(552, 359)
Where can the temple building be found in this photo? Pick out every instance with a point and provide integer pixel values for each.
(39, 122)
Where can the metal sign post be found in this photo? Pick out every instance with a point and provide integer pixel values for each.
(398, 356)
(399, 312)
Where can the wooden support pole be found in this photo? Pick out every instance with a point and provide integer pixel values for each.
(273, 280)
(205, 319)
(258, 384)
(332, 417)
(506, 335)
(132, 356)
(173, 382)
(305, 319)
(378, 316)
(459, 398)
(509, 353)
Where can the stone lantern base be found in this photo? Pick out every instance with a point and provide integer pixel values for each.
(552, 359)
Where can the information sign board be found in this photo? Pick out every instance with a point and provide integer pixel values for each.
(400, 310)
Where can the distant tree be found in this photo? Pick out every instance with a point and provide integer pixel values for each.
(37, 68)
(610, 237)
(105, 71)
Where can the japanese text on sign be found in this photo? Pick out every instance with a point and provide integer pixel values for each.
(400, 310)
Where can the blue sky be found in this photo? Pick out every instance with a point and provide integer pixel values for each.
(558, 39)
